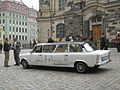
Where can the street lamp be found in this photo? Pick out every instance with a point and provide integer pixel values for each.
(51, 15)
(104, 17)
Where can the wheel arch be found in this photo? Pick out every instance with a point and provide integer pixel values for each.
(23, 59)
(82, 61)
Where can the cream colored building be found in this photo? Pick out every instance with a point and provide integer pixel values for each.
(1, 35)
(61, 18)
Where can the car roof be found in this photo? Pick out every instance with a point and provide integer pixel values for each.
(58, 43)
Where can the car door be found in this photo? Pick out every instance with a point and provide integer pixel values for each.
(47, 54)
(60, 55)
(36, 56)
(75, 53)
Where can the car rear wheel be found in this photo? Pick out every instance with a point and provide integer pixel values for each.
(25, 64)
(81, 67)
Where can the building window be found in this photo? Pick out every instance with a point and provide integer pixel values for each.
(3, 36)
(60, 31)
(10, 37)
(22, 37)
(22, 29)
(114, 23)
(26, 30)
(13, 21)
(10, 14)
(16, 29)
(19, 37)
(0, 34)
(13, 15)
(10, 28)
(3, 28)
(25, 37)
(19, 22)
(96, 19)
(13, 29)
(3, 20)
(16, 36)
(25, 23)
(62, 4)
(10, 21)
(19, 29)
(3, 14)
(22, 23)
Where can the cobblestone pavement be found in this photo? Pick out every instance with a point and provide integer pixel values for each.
(46, 78)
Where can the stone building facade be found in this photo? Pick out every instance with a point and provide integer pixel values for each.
(16, 20)
(87, 17)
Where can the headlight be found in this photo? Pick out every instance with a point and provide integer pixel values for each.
(104, 58)
(98, 58)
(109, 54)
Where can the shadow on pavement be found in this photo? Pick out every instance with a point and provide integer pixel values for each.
(48, 68)
(66, 69)
(98, 70)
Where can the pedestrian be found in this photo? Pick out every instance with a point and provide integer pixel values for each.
(6, 52)
(70, 38)
(118, 41)
(61, 40)
(103, 42)
(50, 40)
(17, 49)
(1, 46)
(34, 42)
(30, 44)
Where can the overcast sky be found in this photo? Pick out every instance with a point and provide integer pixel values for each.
(30, 3)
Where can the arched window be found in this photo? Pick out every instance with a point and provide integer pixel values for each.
(60, 31)
(62, 4)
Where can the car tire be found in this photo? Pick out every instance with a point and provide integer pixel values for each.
(96, 67)
(25, 64)
(81, 67)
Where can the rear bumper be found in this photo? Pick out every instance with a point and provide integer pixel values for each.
(104, 62)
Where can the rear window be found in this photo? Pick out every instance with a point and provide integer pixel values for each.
(75, 48)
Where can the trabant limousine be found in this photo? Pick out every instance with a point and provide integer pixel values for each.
(79, 55)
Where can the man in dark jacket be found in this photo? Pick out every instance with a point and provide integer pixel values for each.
(6, 52)
(103, 42)
(16, 48)
(1, 46)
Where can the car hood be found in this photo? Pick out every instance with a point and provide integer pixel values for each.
(24, 54)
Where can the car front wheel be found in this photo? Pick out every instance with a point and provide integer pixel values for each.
(81, 67)
(25, 64)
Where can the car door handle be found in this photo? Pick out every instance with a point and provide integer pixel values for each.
(65, 55)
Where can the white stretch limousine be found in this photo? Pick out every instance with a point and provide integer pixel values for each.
(79, 55)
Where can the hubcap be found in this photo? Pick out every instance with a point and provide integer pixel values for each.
(24, 64)
(80, 67)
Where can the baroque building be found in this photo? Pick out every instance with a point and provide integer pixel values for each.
(18, 20)
(64, 18)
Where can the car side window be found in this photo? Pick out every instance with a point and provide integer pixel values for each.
(75, 48)
(48, 48)
(62, 48)
(38, 49)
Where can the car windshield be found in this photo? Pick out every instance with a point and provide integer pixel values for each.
(89, 46)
